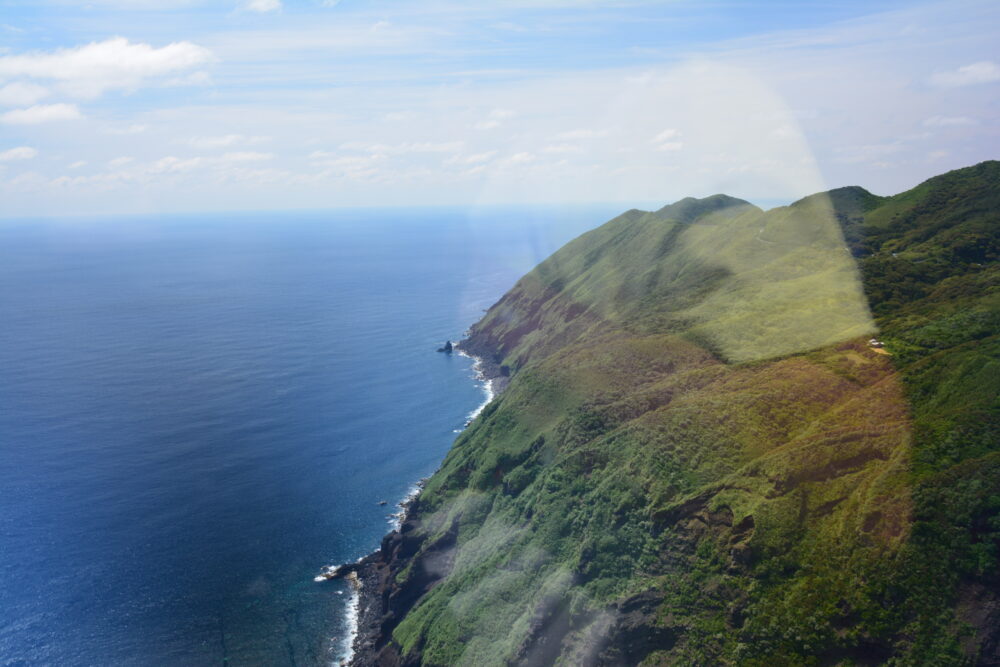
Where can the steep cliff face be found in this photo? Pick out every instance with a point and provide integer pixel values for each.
(701, 459)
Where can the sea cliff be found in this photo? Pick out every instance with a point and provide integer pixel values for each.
(730, 436)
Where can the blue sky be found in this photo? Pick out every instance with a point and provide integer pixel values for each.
(116, 106)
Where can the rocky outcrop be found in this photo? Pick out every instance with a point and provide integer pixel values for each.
(490, 360)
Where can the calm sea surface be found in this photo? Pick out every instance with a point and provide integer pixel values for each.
(197, 413)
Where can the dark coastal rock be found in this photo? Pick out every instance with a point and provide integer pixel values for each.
(489, 357)
(384, 602)
(446, 348)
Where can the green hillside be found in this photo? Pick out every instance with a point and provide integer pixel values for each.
(701, 460)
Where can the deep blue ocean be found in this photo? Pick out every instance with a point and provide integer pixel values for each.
(197, 413)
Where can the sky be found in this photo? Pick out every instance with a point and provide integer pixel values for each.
(153, 106)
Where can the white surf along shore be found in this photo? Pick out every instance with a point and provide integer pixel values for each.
(344, 651)
(488, 392)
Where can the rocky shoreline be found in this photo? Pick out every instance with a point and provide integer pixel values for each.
(487, 363)
(378, 606)
(382, 603)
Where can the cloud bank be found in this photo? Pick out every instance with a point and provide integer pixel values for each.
(88, 71)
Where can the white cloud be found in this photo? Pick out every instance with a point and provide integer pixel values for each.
(19, 94)
(29, 181)
(562, 148)
(135, 128)
(326, 158)
(949, 121)
(666, 135)
(246, 156)
(404, 89)
(262, 6)
(224, 141)
(396, 116)
(116, 63)
(124, 170)
(19, 153)
(405, 147)
(667, 140)
(494, 119)
(350, 167)
(581, 134)
(41, 113)
(520, 158)
(475, 158)
(867, 153)
(784, 132)
(172, 164)
(967, 75)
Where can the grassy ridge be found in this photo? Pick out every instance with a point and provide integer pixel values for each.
(699, 459)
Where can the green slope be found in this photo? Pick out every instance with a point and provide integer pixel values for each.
(700, 460)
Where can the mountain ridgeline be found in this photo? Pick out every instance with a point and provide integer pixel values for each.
(702, 458)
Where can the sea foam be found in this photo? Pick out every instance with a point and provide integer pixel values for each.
(345, 651)
(487, 385)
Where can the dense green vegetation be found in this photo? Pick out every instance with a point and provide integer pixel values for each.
(700, 460)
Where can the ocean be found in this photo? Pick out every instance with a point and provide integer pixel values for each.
(199, 412)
